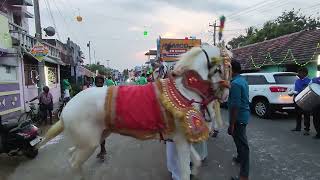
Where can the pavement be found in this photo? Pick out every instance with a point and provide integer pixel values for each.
(276, 153)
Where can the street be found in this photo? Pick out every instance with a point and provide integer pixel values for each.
(276, 154)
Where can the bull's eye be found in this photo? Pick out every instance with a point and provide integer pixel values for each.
(218, 70)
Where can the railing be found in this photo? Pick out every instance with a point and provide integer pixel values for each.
(27, 41)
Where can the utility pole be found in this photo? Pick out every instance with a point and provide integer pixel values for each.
(37, 19)
(214, 31)
(89, 46)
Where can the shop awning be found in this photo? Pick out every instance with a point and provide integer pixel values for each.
(46, 59)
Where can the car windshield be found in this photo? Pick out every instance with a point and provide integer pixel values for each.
(285, 78)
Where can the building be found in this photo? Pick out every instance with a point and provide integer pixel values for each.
(286, 53)
(13, 17)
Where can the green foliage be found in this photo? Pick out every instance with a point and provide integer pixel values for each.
(101, 68)
(289, 22)
(75, 89)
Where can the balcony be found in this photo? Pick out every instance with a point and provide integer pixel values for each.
(21, 38)
(18, 2)
(21, 11)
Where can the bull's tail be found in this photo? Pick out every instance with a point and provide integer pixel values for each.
(54, 131)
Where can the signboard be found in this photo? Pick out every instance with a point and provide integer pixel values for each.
(39, 51)
(5, 37)
(171, 49)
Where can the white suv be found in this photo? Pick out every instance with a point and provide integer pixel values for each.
(268, 92)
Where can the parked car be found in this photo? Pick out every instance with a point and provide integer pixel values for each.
(268, 92)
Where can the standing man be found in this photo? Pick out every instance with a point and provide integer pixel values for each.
(299, 86)
(99, 82)
(316, 113)
(142, 80)
(239, 113)
(45, 104)
(109, 82)
(66, 90)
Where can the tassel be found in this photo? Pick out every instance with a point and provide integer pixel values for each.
(217, 111)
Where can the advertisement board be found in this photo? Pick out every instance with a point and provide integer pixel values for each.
(171, 49)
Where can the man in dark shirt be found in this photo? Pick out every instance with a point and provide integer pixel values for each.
(239, 113)
(299, 86)
(99, 82)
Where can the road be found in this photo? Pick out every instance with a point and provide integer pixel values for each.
(276, 154)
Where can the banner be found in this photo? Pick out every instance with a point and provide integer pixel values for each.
(171, 49)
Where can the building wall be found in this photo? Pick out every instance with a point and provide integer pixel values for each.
(273, 69)
(10, 99)
(312, 67)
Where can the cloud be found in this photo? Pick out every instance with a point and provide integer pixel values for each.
(115, 27)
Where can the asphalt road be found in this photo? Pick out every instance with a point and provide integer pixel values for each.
(276, 154)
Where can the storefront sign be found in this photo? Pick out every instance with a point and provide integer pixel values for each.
(39, 51)
(171, 49)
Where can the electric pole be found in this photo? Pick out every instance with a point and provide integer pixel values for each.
(214, 31)
(89, 46)
(37, 19)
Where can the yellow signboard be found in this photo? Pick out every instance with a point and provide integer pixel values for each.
(171, 49)
(5, 38)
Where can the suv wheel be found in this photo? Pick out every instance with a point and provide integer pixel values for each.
(261, 108)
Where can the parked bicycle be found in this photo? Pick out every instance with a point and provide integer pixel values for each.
(33, 114)
(62, 104)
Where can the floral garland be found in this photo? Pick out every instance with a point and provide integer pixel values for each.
(191, 120)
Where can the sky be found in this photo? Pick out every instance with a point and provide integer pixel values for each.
(115, 27)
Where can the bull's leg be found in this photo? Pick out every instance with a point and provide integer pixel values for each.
(80, 156)
(196, 161)
(183, 150)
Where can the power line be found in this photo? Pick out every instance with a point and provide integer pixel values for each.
(249, 8)
(265, 7)
(52, 18)
(64, 20)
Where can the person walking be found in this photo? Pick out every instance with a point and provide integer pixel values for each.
(109, 82)
(66, 90)
(45, 104)
(142, 80)
(99, 82)
(316, 113)
(300, 84)
(239, 113)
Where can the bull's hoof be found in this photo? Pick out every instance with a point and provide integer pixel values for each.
(193, 177)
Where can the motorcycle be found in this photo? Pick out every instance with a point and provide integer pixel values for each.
(19, 138)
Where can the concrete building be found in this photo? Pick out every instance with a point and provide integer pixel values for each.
(13, 16)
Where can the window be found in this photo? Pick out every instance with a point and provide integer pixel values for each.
(31, 74)
(285, 78)
(8, 73)
(8, 69)
(256, 80)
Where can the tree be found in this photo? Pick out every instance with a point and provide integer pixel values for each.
(101, 69)
(289, 22)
